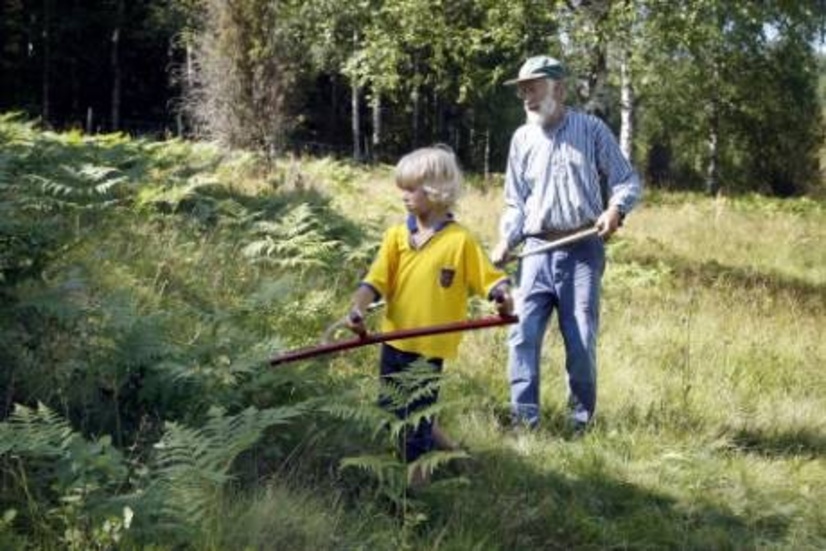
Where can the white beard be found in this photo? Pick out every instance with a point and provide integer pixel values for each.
(546, 110)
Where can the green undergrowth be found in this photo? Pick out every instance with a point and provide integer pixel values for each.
(144, 285)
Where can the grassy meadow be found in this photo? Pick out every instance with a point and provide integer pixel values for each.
(187, 267)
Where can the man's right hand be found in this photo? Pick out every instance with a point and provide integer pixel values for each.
(500, 254)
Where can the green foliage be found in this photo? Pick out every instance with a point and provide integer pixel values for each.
(62, 487)
(295, 242)
(280, 515)
(192, 465)
(131, 315)
(395, 475)
(143, 323)
(699, 82)
(74, 489)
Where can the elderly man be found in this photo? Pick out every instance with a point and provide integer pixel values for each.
(565, 173)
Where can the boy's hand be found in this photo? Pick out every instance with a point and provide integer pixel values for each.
(355, 322)
(504, 302)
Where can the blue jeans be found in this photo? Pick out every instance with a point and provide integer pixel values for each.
(568, 280)
(417, 440)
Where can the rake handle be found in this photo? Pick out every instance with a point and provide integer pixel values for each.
(329, 348)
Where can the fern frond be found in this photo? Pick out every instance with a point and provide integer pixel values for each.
(296, 241)
(429, 462)
(37, 432)
(193, 463)
(398, 426)
(173, 195)
(385, 468)
(367, 415)
(86, 185)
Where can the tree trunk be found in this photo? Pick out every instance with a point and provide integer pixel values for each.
(47, 54)
(190, 71)
(417, 106)
(595, 18)
(116, 69)
(712, 176)
(376, 140)
(487, 154)
(438, 118)
(332, 128)
(355, 120)
(627, 100)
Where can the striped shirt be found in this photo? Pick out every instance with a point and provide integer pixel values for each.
(553, 177)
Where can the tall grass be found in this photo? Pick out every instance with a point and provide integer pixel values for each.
(709, 431)
(709, 434)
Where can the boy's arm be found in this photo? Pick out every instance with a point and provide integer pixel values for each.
(374, 285)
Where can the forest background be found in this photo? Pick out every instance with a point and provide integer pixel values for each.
(182, 196)
(699, 92)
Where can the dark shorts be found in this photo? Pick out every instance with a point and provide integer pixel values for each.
(403, 396)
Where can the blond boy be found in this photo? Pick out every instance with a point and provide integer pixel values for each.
(425, 270)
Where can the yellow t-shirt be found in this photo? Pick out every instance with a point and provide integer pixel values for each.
(431, 285)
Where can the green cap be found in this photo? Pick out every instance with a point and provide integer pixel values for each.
(540, 66)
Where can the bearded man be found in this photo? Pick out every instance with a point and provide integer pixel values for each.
(565, 173)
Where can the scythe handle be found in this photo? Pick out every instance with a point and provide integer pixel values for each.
(567, 240)
(329, 348)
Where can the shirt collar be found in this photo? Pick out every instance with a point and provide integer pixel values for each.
(413, 227)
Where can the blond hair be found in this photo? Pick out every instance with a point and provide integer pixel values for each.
(436, 170)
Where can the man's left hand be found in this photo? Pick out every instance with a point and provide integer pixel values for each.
(608, 222)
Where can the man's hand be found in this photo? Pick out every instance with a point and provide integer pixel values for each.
(500, 254)
(608, 222)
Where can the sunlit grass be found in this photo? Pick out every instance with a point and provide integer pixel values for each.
(711, 387)
(764, 241)
(710, 430)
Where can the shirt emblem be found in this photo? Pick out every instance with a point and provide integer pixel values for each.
(446, 276)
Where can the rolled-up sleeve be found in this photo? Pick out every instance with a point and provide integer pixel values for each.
(624, 185)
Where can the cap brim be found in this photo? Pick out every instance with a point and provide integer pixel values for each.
(513, 81)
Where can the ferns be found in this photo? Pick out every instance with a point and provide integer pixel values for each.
(82, 185)
(190, 470)
(294, 242)
(192, 465)
(395, 475)
(65, 483)
(388, 471)
(131, 322)
(35, 432)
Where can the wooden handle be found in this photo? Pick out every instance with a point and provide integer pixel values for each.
(312, 351)
(567, 240)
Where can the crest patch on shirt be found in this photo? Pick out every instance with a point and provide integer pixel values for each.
(446, 276)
